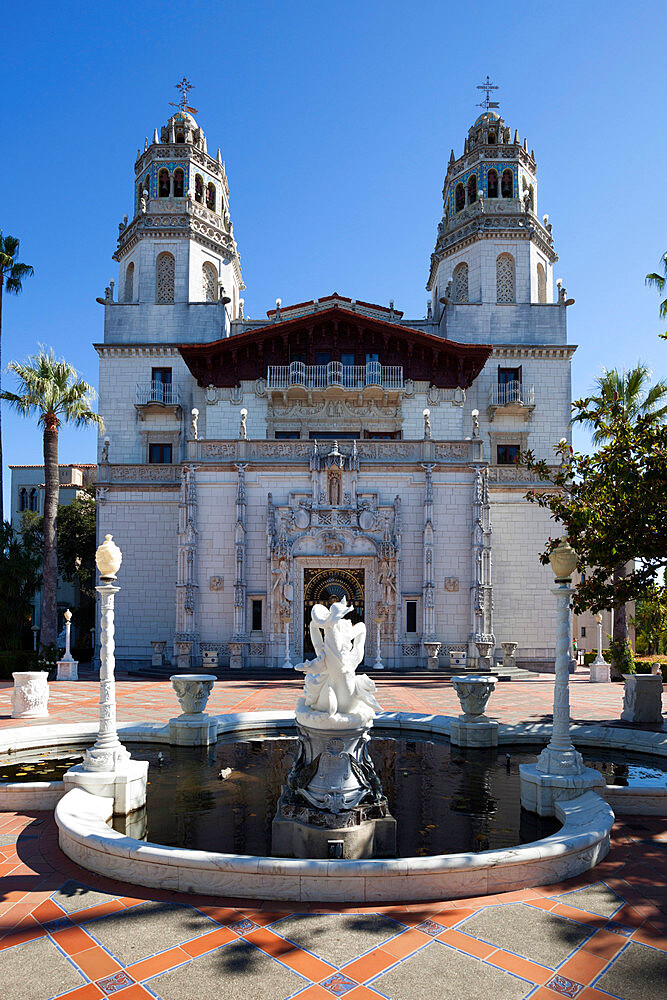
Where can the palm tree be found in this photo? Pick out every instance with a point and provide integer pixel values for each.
(638, 399)
(52, 388)
(659, 281)
(12, 274)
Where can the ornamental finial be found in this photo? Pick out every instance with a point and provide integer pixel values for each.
(184, 86)
(488, 86)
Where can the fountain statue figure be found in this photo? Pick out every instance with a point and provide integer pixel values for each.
(334, 696)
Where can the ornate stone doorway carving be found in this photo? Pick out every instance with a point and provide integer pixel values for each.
(323, 586)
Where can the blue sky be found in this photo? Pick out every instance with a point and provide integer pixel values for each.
(335, 122)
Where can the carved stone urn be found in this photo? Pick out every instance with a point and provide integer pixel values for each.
(473, 693)
(30, 695)
(509, 651)
(484, 648)
(432, 650)
(193, 691)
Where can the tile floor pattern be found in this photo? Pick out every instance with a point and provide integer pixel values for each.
(67, 933)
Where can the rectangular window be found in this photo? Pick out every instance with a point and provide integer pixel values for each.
(333, 435)
(583, 631)
(383, 435)
(159, 454)
(347, 359)
(370, 358)
(297, 356)
(507, 454)
(161, 385)
(287, 435)
(506, 375)
(509, 385)
(410, 616)
(256, 615)
(322, 358)
(162, 375)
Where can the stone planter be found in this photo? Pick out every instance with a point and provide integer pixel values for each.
(183, 654)
(158, 653)
(484, 649)
(236, 655)
(472, 728)
(194, 727)
(193, 691)
(642, 699)
(30, 695)
(432, 650)
(458, 659)
(509, 658)
(209, 658)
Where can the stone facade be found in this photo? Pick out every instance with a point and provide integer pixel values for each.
(375, 454)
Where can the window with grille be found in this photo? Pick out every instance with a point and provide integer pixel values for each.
(165, 268)
(210, 282)
(460, 277)
(505, 278)
(129, 282)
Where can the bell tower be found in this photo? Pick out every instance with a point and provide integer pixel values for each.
(178, 247)
(492, 248)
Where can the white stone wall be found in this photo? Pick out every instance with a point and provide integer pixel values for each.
(447, 419)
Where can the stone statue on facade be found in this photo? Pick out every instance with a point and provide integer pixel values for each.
(243, 427)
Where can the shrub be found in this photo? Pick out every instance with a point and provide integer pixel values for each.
(17, 659)
(589, 657)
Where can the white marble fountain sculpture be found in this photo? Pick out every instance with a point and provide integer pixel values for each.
(332, 803)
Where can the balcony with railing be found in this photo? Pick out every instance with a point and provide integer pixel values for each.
(335, 374)
(513, 398)
(161, 394)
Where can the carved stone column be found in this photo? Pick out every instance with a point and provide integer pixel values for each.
(240, 561)
(187, 588)
(428, 587)
(481, 591)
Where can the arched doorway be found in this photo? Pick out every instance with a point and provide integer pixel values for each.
(324, 586)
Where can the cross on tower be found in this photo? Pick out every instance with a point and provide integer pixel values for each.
(184, 86)
(487, 103)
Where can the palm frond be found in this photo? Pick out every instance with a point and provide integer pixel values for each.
(52, 387)
(16, 276)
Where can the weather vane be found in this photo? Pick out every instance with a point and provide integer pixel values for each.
(487, 103)
(184, 86)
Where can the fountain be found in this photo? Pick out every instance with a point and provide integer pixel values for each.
(332, 804)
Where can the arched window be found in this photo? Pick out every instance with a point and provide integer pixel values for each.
(492, 184)
(472, 188)
(179, 183)
(531, 192)
(210, 196)
(23, 498)
(507, 184)
(34, 500)
(129, 283)
(180, 136)
(165, 267)
(460, 282)
(459, 197)
(163, 185)
(140, 191)
(492, 138)
(505, 278)
(541, 284)
(199, 188)
(209, 277)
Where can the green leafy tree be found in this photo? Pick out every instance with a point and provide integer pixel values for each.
(622, 397)
(610, 506)
(659, 281)
(51, 388)
(650, 619)
(12, 274)
(20, 574)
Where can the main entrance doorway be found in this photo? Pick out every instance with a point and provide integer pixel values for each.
(325, 586)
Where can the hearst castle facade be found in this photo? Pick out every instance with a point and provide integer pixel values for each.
(252, 468)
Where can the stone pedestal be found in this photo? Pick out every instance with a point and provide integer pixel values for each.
(600, 673)
(236, 655)
(509, 657)
(332, 805)
(183, 655)
(432, 650)
(126, 784)
(68, 669)
(642, 699)
(540, 792)
(485, 650)
(30, 695)
(194, 727)
(472, 728)
(157, 658)
(209, 658)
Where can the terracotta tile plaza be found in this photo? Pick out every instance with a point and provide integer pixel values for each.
(67, 933)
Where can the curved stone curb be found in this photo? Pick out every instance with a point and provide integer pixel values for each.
(581, 843)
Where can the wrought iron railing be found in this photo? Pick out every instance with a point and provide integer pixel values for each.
(512, 392)
(158, 392)
(335, 373)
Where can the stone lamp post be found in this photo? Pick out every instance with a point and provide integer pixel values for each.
(68, 667)
(560, 772)
(600, 670)
(107, 767)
